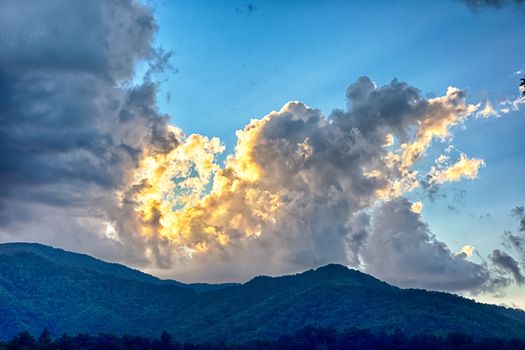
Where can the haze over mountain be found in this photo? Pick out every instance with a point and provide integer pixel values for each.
(67, 292)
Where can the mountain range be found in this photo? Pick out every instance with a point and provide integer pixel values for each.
(44, 287)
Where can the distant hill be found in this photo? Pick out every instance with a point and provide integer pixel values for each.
(43, 287)
(83, 261)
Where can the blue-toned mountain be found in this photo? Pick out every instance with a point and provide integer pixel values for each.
(43, 287)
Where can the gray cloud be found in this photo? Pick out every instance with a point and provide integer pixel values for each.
(504, 264)
(477, 4)
(519, 212)
(402, 250)
(516, 241)
(71, 125)
(507, 263)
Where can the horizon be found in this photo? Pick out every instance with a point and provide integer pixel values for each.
(215, 142)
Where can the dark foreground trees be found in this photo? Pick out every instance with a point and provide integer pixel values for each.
(305, 338)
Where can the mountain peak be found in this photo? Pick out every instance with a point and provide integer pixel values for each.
(342, 274)
(330, 274)
(334, 270)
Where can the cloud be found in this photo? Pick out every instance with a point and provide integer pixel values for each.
(402, 250)
(511, 105)
(463, 168)
(72, 126)
(503, 260)
(516, 241)
(468, 250)
(298, 189)
(477, 4)
(519, 212)
(508, 264)
(487, 111)
(417, 207)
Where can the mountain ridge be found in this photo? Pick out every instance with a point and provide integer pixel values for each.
(81, 294)
(104, 267)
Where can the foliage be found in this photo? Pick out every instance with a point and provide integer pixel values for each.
(305, 338)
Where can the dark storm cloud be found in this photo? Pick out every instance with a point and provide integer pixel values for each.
(103, 38)
(61, 67)
(58, 74)
(71, 125)
(507, 263)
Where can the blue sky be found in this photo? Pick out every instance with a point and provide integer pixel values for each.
(234, 64)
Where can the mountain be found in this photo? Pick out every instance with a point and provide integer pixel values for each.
(83, 261)
(43, 287)
(75, 260)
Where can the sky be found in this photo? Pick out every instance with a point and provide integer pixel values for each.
(217, 141)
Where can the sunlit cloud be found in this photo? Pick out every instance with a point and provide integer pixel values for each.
(417, 207)
(468, 250)
(465, 167)
(487, 111)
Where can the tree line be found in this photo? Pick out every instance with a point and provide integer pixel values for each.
(305, 338)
